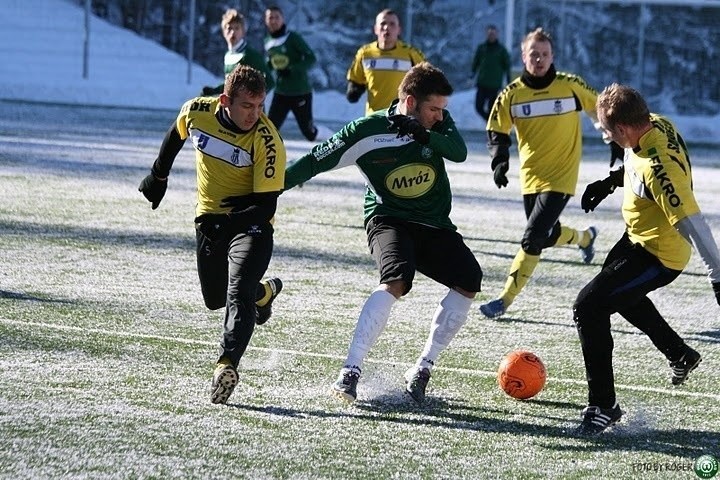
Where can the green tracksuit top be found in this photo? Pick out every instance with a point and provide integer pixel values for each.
(291, 58)
(244, 54)
(404, 179)
(491, 65)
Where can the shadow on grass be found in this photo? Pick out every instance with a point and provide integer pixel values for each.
(449, 414)
(706, 336)
(32, 298)
(102, 236)
(97, 236)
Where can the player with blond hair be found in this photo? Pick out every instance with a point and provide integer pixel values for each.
(239, 52)
(544, 107)
(662, 223)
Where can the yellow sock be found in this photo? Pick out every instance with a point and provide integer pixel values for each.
(266, 298)
(521, 270)
(223, 362)
(570, 236)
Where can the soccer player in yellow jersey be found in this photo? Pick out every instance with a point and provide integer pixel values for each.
(544, 107)
(662, 221)
(380, 66)
(240, 164)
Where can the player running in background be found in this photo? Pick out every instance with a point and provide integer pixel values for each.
(240, 163)
(291, 58)
(544, 107)
(662, 221)
(401, 152)
(239, 52)
(380, 66)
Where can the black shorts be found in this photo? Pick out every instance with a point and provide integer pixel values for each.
(543, 220)
(629, 273)
(235, 259)
(400, 248)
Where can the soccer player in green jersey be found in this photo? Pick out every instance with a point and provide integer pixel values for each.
(291, 58)
(400, 151)
(662, 221)
(239, 52)
(240, 168)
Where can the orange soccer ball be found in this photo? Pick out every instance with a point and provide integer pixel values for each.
(521, 374)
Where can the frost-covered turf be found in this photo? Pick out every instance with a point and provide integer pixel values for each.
(106, 350)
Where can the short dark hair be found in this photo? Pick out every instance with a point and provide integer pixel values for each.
(423, 80)
(244, 78)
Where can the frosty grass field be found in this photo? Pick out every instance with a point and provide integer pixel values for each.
(106, 350)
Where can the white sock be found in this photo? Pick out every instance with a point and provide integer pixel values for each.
(449, 317)
(370, 324)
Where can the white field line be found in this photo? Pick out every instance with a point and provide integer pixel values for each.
(298, 353)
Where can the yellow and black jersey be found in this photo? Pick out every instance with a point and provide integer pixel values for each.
(230, 163)
(549, 131)
(381, 71)
(658, 193)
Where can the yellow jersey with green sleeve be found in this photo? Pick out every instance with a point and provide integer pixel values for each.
(548, 127)
(230, 163)
(658, 193)
(381, 71)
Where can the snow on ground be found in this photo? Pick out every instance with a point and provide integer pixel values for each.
(42, 45)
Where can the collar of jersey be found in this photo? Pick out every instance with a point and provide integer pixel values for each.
(281, 31)
(537, 83)
(239, 47)
(225, 120)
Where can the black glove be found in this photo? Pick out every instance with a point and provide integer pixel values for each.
(153, 189)
(716, 289)
(595, 193)
(616, 153)
(499, 171)
(406, 125)
(354, 91)
(237, 202)
(208, 90)
(213, 225)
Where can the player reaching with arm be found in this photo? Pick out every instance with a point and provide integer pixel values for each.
(240, 164)
(662, 221)
(401, 152)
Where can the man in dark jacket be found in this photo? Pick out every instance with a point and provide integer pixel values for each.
(491, 65)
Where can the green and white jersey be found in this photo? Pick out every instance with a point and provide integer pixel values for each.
(244, 54)
(291, 58)
(404, 179)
